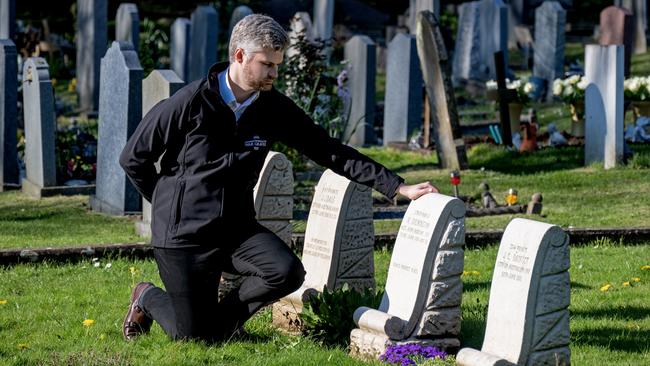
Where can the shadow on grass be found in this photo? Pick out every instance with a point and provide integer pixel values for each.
(620, 313)
(29, 211)
(420, 166)
(476, 286)
(498, 159)
(618, 339)
(577, 285)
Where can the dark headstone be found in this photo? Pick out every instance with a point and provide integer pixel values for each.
(467, 61)
(361, 54)
(179, 48)
(40, 125)
(403, 102)
(7, 19)
(127, 24)
(434, 62)
(8, 113)
(617, 27)
(120, 111)
(550, 20)
(92, 39)
(203, 46)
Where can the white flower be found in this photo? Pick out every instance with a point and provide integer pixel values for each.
(96, 264)
(557, 87)
(491, 85)
(108, 265)
(568, 91)
(528, 88)
(582, 85)
(573, 79)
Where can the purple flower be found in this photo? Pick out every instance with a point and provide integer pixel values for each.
(403, 354)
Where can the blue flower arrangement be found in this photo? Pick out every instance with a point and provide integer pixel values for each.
(408, 354)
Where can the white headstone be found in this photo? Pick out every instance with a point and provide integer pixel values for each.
(338, 246)
(550, 21)
(421, 302)
(493, 28)
(7, 19)
(179, 47)
(299, 24)
(604, 111)
(466, 63)
(127, 24)
(273, 196)
(528, 316)
(416, 6)
(159, 85)
(323, 19)
(361, 55)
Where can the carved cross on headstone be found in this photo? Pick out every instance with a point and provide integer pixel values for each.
(505, 96)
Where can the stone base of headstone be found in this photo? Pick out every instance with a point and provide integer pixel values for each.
(98, 205)
(371, 346)
(143, 228)
(33, 190)
(286, 317)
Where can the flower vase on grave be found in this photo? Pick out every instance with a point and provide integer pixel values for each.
(641, 108)
(578, 119)
(515, 116)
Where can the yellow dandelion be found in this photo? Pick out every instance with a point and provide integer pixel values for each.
(476, 273)
(88, 322)
(626, 284)
(133, 271)
(605, 288)
(22, 346)
(3, 302)
(646, 267)
(636, 279)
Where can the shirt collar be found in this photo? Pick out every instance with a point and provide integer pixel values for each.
(228, 96)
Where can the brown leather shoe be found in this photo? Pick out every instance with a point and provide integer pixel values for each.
(136, 321)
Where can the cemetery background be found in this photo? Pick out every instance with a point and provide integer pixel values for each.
(605, 325)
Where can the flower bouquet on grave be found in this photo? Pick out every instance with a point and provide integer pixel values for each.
(572, 92)
(637, 90)
(524, 88)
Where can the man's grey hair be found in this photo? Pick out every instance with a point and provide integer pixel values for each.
(256, 32)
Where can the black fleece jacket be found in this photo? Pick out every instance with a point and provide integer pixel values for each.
(210, 162)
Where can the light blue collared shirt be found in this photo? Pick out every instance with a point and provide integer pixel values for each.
(229, 97)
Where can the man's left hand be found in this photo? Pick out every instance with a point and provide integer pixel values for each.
(415, 191)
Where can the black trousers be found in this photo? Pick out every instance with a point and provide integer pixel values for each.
(188, 308)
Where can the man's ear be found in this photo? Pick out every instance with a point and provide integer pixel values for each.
(239, 55)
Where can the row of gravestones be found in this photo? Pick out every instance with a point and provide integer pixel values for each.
(527, 322)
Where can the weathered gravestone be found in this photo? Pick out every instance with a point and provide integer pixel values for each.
(8, 114)
(127, 24)
(360, 52)
(617, 28)
(159, 85)
(179, 47)
(493, 30)
(299, 26)
(40, 133)
(550, 20)
(120, 111)
(421, 302)
(640, 18)
(403, 101)
(273, 195)
(338, 247)
(203, 45)
(434, 62)
(416, 6)
(323, 18)
(528, 315)
(7, 19)
(238, 14)
(467, 62)
(604, 105)
(92, 39)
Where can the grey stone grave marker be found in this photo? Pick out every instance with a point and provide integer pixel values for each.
(550, 20)
(604, 105)
(493, 30)
(159, 85)
(238, 14)
(7, 19)
(466, 63)
(338, 249)
(127, 24)
(617, 28)
(203, 45)
(120, 111)
(323, 18)
(528, 316)
(179, 47)
(640, 18)
(92, 39)
(434, 62)
(40, 134)
(403, 103)
(421, 302)
(8, 114)
(273, 195)
(360, 51)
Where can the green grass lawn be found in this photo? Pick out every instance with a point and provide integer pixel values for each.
(41, 321)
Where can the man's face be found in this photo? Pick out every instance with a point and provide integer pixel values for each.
(261, 68)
